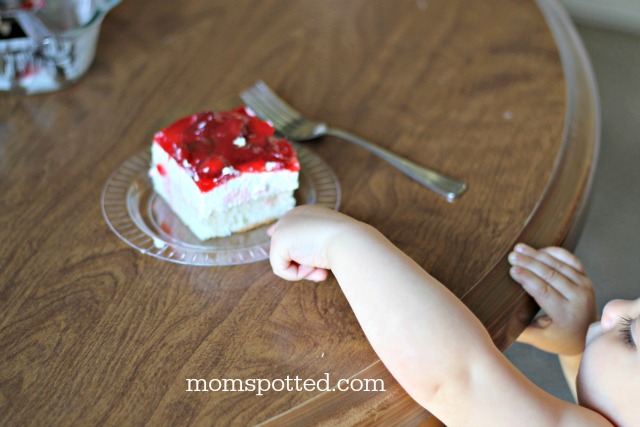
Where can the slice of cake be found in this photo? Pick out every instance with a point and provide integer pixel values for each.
(224, 172)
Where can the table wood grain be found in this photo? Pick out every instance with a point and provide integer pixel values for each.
(94, 332)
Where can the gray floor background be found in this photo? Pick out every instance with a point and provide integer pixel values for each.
(608, 246)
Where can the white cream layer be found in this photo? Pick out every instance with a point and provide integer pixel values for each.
(238, 204)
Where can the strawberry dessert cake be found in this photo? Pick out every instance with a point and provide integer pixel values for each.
(224, 172)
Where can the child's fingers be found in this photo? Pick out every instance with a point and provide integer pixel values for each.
(547, 297)
(566, 257)
(287, 272)
(538, 276)
(559, 265)
(295, 272)
(543, 273)
(284, 265)
(318, 275)
(556, 264)
(281, 262)
(310, 273)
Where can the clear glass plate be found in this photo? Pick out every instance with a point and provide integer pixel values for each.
(144, 220)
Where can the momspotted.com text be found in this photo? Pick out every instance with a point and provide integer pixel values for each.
(260, 386)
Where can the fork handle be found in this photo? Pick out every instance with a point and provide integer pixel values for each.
(435, 181)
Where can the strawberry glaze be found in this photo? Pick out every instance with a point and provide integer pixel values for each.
(215, 147)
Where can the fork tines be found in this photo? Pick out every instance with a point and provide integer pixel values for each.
(267, 105)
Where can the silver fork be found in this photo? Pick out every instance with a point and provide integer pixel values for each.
(290, 123)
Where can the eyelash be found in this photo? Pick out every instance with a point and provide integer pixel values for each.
(625, 332)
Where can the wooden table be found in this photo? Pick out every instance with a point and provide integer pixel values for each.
(94, 332)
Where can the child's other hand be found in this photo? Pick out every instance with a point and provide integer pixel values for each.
(555, 278)
(300, 242)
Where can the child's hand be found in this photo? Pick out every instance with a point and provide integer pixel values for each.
(301, 239)
(555, 278)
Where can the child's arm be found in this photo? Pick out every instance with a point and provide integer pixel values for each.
(555, 278)
(432, 344)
